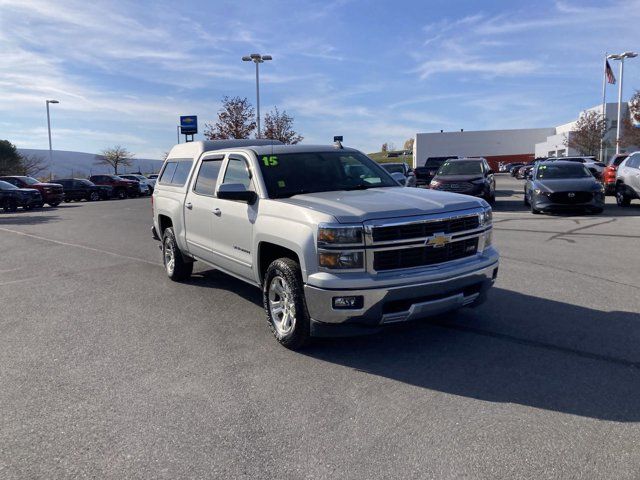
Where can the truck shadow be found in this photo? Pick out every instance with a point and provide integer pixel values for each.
(23, 219)
(514, 349)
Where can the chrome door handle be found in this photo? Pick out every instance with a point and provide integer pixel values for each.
(189, 205)
(217, 212)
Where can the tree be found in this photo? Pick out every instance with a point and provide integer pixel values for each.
(408, 144)
(235, 120)
(384, 148)
(279, 126)
(115, 157)
(588, 133)
(630, 136)
(391, 147)
(10, 160)
(32, 165)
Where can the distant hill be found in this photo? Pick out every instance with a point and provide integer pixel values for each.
(381, 157)
(81, 164)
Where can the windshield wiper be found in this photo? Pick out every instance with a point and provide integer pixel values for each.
(361, 186)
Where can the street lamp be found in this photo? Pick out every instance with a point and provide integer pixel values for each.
(257, 59)
(49, 129)
(620, 57)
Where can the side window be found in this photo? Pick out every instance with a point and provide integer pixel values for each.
(634, 161)
(182, 173)
(167, 172)
(237, 172)
(208, 176)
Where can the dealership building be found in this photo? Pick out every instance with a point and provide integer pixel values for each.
(506, 146)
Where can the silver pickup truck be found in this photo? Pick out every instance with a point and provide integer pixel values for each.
(335, 244)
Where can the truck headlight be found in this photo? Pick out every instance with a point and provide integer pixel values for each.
(340, 235)
(486, 217)
(341, 260)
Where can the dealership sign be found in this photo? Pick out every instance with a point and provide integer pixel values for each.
(188, 124)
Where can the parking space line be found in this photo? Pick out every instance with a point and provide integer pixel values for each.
(84, 247)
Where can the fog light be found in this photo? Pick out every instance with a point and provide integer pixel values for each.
(354, 302)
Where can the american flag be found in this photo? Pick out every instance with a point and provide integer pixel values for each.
(609, 73)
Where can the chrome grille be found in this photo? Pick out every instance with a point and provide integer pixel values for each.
(422, 256)
(409, 231)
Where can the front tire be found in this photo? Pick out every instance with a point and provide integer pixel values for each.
(54, 204)
(285, 305)
(93, 197)
(121, 194)
(621, 198)
(174, 263)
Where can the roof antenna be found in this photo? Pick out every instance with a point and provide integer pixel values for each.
(337, 140)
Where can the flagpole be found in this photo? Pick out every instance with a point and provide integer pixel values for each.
(604, 107)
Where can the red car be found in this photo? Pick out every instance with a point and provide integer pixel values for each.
(609, 173)
(52, 193)
(121, 188)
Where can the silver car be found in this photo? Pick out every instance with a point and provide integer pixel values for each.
(628, 180)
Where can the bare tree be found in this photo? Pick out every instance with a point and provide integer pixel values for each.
(391, 146)
(384, 148)
(115, 157)
(279, 126)
(631, 124)
(32, 165)
(236, 119)
(588, 133)
(408, 144)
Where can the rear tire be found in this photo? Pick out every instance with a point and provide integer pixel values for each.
(121, 194)
(10, 205)
(285, 304)
(54, 204)
(174, 263)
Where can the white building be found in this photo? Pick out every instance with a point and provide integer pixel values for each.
(555, 145)
(504, 146)
(497, 146)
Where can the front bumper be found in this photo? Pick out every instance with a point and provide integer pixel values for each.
(545, 204)
(52, 197)
(383, 305)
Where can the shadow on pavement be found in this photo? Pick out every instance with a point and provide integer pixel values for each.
(19, 219)
(514, 349)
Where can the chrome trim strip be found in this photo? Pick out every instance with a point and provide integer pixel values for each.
(372, 224)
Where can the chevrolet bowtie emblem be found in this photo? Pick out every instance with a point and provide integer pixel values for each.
(438, 240)
(571, 195)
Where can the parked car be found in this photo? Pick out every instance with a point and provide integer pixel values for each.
(558, 185)
(471, 176)
(121, 188)
(12, 197)
(431, 166)
(595, 167)
(51, 193)
(402, 168)
(610, 172)
(331, 252)
(523, 171)
(628, 180)
(145, 185)
(153, 176)
(83, 189)
(513, 169)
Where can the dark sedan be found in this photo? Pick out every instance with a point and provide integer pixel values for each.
(471, 176)
(562, 186)
(83, 189)
(12, 197)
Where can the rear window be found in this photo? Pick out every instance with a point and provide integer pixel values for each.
(175, 172)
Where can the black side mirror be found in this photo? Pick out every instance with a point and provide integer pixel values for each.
(236, 191)
(489, 172)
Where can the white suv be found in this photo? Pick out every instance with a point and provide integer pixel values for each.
(628, 180)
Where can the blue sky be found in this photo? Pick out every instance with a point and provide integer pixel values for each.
(372, 71)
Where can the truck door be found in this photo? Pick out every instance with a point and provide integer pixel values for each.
(198, 208)
(233, 222)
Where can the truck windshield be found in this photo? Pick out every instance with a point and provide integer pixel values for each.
(291, 174)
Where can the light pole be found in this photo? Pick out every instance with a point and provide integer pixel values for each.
(49, 129)
(257, 59)
(178, 132)
(620, 57)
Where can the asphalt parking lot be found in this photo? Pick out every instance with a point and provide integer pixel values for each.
(110, 370)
